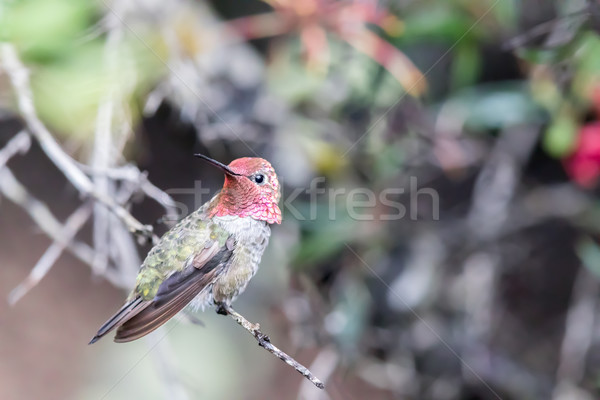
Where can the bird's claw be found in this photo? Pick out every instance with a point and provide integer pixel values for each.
(221, 310)
(265, 338)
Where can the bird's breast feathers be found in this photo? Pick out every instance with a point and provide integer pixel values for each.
(251, 238)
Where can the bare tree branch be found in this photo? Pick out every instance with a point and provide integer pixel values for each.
(65, 236)
(19, 78)
(265, 342)
(43, 217)
(544, 28)
(324, 364)
(20, 143)
(131, 173)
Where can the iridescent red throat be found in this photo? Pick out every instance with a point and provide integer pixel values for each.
(243, 199)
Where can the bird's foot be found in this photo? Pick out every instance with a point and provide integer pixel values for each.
(263, 338)
(221, 310)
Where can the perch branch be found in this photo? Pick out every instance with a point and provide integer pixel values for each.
(19, 77)
(265, 342)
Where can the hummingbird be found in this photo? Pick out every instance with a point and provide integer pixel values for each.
(207, 258)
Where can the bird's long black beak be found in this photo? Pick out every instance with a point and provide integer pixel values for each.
(217, 164)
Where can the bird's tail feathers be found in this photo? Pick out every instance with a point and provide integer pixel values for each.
(128, 311)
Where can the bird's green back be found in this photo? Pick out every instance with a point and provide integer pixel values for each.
(189, 237)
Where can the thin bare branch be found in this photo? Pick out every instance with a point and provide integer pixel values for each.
(19, 78)
(547, 27)
(162, 198)
(265, 342)
(123, 250)
(324, 364)
(101, 159)
(73, 224)
(20, 143)
(131, 173)
(48, 223)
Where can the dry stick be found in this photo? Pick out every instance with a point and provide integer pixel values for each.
(73, 224)
(546, 27)
(19, 144)
(265, 342)
(13, 190)
(122, 247)
(324, 364)
(19, 78)
(101, 158)
(163, 198)
(43, 217)
(131, 173)
(104, 156)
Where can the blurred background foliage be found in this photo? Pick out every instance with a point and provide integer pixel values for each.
(482, 116)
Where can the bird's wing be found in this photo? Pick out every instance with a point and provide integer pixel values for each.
(139, 317)
(175, 293)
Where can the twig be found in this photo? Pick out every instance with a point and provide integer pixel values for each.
(20, 143)
(546, 27)
(122, 247)
(161, 197)
(101, 158)
(67, 233)
(19, 78)
(324, 364)
(39, 212)
(265, 342)
(131, 173)
(62, 237)
(43, 217)
(104, 156)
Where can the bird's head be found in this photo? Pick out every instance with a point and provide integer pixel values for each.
(251, 189)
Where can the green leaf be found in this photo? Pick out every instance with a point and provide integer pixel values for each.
(560, 136)
(466, 66)
(44, 29)
(441, 23)
(587, 74)
(68, 93)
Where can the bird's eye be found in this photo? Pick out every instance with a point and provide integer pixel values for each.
(259, 178)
